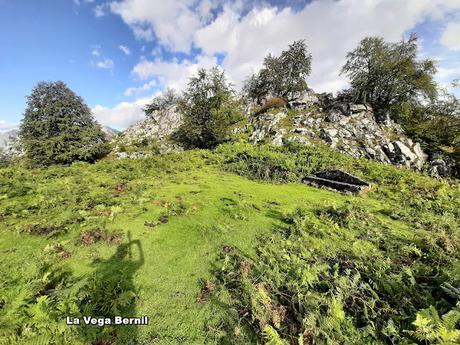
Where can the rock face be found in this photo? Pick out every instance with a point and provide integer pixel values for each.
(350, 128)
(154, 130)
(337, 180)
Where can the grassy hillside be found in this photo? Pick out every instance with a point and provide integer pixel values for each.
(227, 247)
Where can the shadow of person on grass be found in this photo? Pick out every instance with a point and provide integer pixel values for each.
(109, 292)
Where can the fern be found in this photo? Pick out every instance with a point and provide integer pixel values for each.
(272, 337)
(432, 328)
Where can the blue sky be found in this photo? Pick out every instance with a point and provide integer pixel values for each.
(118, 54)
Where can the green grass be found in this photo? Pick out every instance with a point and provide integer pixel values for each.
(179, 210)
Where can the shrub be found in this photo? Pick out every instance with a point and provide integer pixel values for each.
(58, 127)
(274, 102)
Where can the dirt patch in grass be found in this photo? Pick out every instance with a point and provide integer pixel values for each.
(121, 188)
(207, 288)
(91, 236)
(47, 230)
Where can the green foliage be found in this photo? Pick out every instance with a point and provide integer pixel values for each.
(282, 76)
(58, 294)
(386, 74)
(58, 127)
(209, 110)
(288, 163)
(433, 329)
(342, 275)
(337, 267)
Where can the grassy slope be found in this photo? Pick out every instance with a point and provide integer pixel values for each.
(207, 209)
(221, 209)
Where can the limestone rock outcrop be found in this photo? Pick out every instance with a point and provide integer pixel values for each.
(350, 128)
(153, 131)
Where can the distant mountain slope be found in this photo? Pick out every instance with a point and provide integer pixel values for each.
(110, 132)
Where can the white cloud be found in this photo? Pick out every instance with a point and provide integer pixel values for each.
(172, 73)
(172, 21)
(449, 73)
(451, 36)
(122, 115)
(136, 90)
(96, 51)
(331, 29)
(105, 63)
(99, 10)
(125, 49)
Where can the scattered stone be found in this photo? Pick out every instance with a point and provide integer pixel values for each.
(164, 218)
(154, 130)
(350, 128)
(438, 168)
(329, 135)
(359, 108)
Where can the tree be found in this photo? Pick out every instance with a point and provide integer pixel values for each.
(283, 76)
(209, 110)
(386, 74)
(165, 101)
(58, 127)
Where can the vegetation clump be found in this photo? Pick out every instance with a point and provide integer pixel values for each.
(344, 276)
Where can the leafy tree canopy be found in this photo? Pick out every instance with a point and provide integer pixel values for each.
(386, 74)
(281, 76)
(58, 127)
(209, 110)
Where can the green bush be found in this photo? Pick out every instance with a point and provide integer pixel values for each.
(58, 127)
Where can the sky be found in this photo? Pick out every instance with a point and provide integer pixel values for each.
(119, 54)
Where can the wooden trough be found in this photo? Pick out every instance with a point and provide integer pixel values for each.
(337, 180)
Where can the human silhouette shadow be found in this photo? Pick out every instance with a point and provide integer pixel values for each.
(110, 291)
